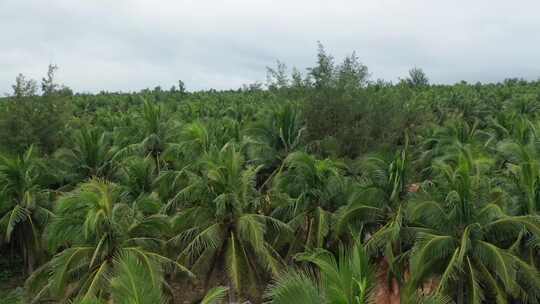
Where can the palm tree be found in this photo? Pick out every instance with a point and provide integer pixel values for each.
(137, 176)
(510, 125)
(349, 278)
(313, 186)
(467, 239)
(154, 134)
(134, 284)
(436, 142)
(273, 137)
(94, 229)
(278, 133)
(523, 167)
(195, 138)
(24, 205)
(521, 177)
(379, 211)
(219, 223)
(92, 155)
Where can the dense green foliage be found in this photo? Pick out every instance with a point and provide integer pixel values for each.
(309, 190)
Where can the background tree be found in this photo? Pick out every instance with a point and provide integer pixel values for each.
(27, 119)
(417, 78)
(48, 83)
(24, 87)
(277, 78)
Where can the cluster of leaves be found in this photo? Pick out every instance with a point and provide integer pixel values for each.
(322, 188)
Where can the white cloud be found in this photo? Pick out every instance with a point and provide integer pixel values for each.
(133, 44)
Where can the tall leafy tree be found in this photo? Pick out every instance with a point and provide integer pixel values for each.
(417, 78)
(48, 83)
(24, 87)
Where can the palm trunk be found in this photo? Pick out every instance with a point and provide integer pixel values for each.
(156, 159)
(232, 292)
(31, 261)
(308, 232)
(531, 204)
(531, 257)
(217, 257)
(27, 254)
(293, 244)
(387, 287)
(460, 295)
(211, 271)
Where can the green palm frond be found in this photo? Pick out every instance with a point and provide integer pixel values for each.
(295, 287)
(135, 282)
(215, 295)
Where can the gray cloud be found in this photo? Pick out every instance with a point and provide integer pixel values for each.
(132, 44)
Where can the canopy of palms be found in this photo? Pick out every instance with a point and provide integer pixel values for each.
(466, 237)
(93, 230)
(300, 184)
(219, 223)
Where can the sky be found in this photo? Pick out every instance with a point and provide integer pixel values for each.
(128, 45)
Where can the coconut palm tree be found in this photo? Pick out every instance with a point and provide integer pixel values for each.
(134, 284)
(137, 176)
(510, 125)
(347, 278)
(467, 239)
(278, 133)
(439, 141)
(218, 223)
(313, 186)
(154, 134)
(379, 211)
(383, 189)
(92, 155)
(93, 229)
(195, 138)
(522, 165)
(521, 177)
(24, 205)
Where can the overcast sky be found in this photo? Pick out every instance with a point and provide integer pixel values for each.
(133, 44)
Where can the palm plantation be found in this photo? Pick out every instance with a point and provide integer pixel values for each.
(323, 187)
